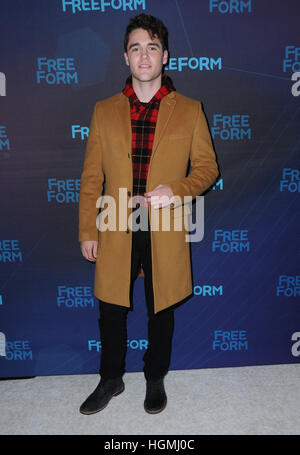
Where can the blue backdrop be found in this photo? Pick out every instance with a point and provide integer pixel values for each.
(242, 60)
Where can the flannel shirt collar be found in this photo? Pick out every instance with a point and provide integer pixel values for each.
(166, 88)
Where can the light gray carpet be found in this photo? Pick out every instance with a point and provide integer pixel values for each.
(263, 400)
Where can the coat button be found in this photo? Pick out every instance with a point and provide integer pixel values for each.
(127, 231)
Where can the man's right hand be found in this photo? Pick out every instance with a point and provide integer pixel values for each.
(89, 249)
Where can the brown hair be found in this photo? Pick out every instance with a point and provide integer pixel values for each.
(154, 26)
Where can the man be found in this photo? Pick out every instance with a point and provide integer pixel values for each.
(140, 144)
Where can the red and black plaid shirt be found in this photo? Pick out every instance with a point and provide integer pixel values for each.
(143, 123)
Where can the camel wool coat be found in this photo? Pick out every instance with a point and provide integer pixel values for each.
(181, 137)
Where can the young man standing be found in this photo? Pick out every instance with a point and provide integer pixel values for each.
(140, 144)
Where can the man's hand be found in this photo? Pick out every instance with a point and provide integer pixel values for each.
(161, 196)
(89, 249)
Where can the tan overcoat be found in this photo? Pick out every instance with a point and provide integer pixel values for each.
(181, 136)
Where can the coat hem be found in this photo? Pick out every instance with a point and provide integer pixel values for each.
(188, 292)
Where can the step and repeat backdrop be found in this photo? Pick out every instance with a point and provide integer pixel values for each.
(241, 59)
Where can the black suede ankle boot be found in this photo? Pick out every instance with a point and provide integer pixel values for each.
(99, 399)
(156, 398)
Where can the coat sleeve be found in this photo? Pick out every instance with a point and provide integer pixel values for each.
(203, 162)
(91, 184)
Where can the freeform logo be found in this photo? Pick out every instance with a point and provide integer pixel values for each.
(10, 251)
(290, 180)
(56, 71)
(230, 6)
(102, 5)
(18, 350)
(74, 297)
(218, 185)
(296, 87)
(235, 241)
(234, 340)
(194, 63)
(231, 127)
(63, 191)
(208, 290)
(132, 344)
(2, 84)
(4, 140)
(291, 61)
(81, 131)
(288, 286)
(296, 346)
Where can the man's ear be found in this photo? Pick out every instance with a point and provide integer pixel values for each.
(126, 58)
(165, 57)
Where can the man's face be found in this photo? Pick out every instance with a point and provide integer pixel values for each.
(145, 56)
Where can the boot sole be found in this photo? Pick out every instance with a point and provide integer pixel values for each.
(100, 409)
(155, 412)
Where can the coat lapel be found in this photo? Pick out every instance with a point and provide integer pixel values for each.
(165, 111)
(123, 122)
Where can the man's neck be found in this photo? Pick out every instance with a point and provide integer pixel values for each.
(146, 90)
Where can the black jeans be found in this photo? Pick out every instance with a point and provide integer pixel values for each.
(113, 322)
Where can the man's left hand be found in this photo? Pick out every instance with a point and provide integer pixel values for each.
(161, 196)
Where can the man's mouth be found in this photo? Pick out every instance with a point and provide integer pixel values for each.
(145, 66)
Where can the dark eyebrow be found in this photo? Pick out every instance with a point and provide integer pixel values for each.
(138, 44)
(132, 45)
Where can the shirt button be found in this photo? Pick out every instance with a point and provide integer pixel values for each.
(129, 193)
